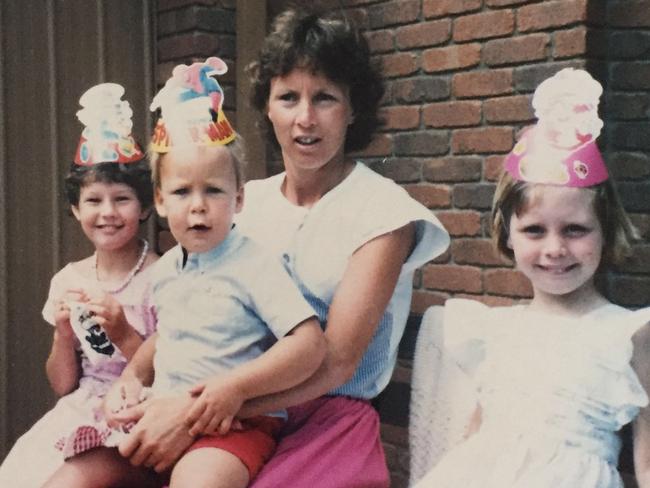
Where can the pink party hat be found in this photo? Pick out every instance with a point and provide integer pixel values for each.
(106, 137)
(561, 148)
(191, 103)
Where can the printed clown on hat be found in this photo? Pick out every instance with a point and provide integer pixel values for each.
(191, 105)
(107, 133)
(561, 148)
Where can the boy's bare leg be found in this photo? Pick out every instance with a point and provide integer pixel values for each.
(101, 467)
(209, 467)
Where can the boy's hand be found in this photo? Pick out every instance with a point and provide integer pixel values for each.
(215, 406)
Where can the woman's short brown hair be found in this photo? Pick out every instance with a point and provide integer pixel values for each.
(512, 196)
(327, 44)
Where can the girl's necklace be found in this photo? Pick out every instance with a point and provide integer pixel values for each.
(132, 273)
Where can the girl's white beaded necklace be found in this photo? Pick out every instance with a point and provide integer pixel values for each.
(132, 273)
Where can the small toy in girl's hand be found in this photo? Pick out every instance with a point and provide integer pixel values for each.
(93, 338)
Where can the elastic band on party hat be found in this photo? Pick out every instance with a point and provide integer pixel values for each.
(561, 148)
(107, 136)
(191, 103)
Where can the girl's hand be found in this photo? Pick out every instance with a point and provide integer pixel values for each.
(62, 313)
(110, 316)
(123, 394)
(217, 402)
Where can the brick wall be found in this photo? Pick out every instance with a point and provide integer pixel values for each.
(460, 75)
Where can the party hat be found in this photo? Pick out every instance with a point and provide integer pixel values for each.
(191, 104)
(107, 135)
(561, 148)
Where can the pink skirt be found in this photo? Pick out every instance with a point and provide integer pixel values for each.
(330, 442)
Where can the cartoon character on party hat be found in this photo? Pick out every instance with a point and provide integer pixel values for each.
(107, 134)
(196, 101)
(561, 148)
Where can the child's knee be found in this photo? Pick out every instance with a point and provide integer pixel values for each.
(209, 468)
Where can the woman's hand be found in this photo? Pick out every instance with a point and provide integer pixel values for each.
(160, 436)
(109, 314)
(216, 403)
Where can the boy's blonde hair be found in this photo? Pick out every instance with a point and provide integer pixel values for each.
(237, 156)
(512, 197)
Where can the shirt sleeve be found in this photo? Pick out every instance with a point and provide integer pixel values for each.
(391, 207)
(276, 298)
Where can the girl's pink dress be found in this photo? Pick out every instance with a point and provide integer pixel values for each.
(40, 451)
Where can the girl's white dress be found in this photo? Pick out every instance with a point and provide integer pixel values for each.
(34, 456)
(553, 390)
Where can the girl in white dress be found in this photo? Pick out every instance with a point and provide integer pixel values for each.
(558, 377)
(109, 190)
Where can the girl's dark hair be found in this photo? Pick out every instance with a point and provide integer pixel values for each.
(136, 175)
(512, 196)
(327, 44)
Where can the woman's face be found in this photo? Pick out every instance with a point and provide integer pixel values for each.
(310, 116)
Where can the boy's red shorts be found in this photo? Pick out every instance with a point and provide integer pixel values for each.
(253, 445)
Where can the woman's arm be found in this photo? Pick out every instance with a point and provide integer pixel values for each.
(641, 426)
(290, 361)
(358, 305)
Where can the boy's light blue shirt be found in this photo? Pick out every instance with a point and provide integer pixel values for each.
(220, 309)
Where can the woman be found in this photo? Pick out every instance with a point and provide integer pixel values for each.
(351, 240)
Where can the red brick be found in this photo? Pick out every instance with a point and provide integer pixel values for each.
(517, 108)
(380, 41)
(569, 43)
(395, 12)
(550, 14)
(484, 25)
(473, 195)
(629, 165)
(381, 145)
(447, 277)
(480, 252)
(507, 282)
(493, 167)
(642, 224)
(440, 8)
(452, 169)
(483, 140)
(452, 114)
(504, 3)
(490, 300)
(163, 5)
(185, 45)
(629, 13)
(422, 143)
(451, 58)
(423, 34)
(630, 291)
(402, 170)
(482, 83)
(431, 196)
(533, 47)
(399, 64)
(401, 117)
(423, 299)
(639, 262)
(418, 90)
(461, 222)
